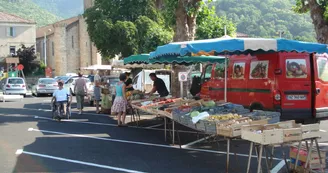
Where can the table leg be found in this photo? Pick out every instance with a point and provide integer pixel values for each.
(173, 130)
(260, 159)
(165, 128)
(266, 158)
(228, 154)
(298, 154)
(271, 156)
(250, 157)
(319, 154)
(308, 158)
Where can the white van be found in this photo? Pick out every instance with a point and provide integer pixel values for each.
(143, 82)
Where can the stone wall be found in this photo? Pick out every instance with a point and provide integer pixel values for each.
(60, 49)
(85, 44)
(73, 47)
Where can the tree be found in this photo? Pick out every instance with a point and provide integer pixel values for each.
(126, 27)
(26, 57)
(319, 14)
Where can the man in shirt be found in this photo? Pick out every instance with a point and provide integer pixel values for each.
(61, 96)
(158, 86)
(96, 90)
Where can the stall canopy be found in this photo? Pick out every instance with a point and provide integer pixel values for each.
(145, 59)
(221, 46)
(98, 67)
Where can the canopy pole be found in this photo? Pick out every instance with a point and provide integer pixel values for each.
(225, 78)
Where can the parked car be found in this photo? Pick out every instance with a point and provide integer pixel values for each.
(44, 86)
(62, 78)
(13, 86)
(111, 82)
(70, 84)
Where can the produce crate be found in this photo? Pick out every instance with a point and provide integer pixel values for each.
(231, 128)
(274, 117)
(310, 131)
(262, 134)
(291, 130)
(186, 120)
(314, 162)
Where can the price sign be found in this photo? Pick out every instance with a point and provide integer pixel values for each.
(183, 76)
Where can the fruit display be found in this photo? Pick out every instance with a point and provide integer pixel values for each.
(223, 117)
(134, 95)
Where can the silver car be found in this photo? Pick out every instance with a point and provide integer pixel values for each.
(44, 86)
(13, 86)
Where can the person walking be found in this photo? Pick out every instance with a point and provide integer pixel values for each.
(96, 90)
(120, 102)
(80, 89)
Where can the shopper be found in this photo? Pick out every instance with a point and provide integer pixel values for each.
(158, 86)
(120, 102)
(80, 90)
(128, 82)
(96, 90)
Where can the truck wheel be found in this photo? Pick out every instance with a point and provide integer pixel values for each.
(256, 106)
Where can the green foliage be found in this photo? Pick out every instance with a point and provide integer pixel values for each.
(265, 18)
(301, 7)
(127, 27)
(26, 57)
(209, 25)
(28, 10)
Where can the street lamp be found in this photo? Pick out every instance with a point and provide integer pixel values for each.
(281, 33)
(45, 47)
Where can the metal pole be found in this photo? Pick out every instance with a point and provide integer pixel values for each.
(228, 154)
(45, 49)
(225, 79)
(260, 159)
(250, 157)
(173, 129)
(225, 30)
(181, 89)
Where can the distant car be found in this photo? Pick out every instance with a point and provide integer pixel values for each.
(62, 78)
(70, 84)
(111, 82)
(13, 86)
(44, 86)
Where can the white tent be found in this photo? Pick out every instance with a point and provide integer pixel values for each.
(120, 64)
(98, 67)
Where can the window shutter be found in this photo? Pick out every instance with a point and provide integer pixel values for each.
(14, 32)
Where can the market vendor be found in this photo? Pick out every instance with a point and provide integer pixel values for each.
(128, 82)
(158, 86)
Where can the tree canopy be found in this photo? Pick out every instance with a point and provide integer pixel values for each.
(319, 14)
(26, 57)
(127, 27)
(265, 18)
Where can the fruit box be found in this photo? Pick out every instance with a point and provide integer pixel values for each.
(310, 131)
(186, 120)
(231, 128)
(314, 159)
(261, 134)
(207, 126)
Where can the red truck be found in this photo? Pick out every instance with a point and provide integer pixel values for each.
(295, 84)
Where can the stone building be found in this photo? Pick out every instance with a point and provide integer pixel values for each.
(67, 47)
(15, 31)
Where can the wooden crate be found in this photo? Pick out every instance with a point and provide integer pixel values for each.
(210, 127)
(231, 128)
(310, 131)
(292, 131)
(269, 134)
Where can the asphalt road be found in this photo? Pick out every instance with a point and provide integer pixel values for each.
(31, 142)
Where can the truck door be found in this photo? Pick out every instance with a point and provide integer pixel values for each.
(296, 86)
(321, 85)
(206, 80)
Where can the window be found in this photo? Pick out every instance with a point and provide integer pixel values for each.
(72, 41)
(296, 68)
(12, 50)
(11, 32)
(259, 70)
(322, 69)
(238, 70)
(53, 48)
(208, 72)
(219, 71)
(15, 81)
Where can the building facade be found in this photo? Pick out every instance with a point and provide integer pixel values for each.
(15, 31)
(65, 46)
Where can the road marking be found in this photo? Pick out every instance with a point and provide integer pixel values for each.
(141, 143)
(20, 151)
(157, 125)
(277, 168)
(194, 142)
(323, 130)
(115, 125)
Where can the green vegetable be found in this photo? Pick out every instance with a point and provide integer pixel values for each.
(194, 114)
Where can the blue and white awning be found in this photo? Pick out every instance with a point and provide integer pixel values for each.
(221, 46)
